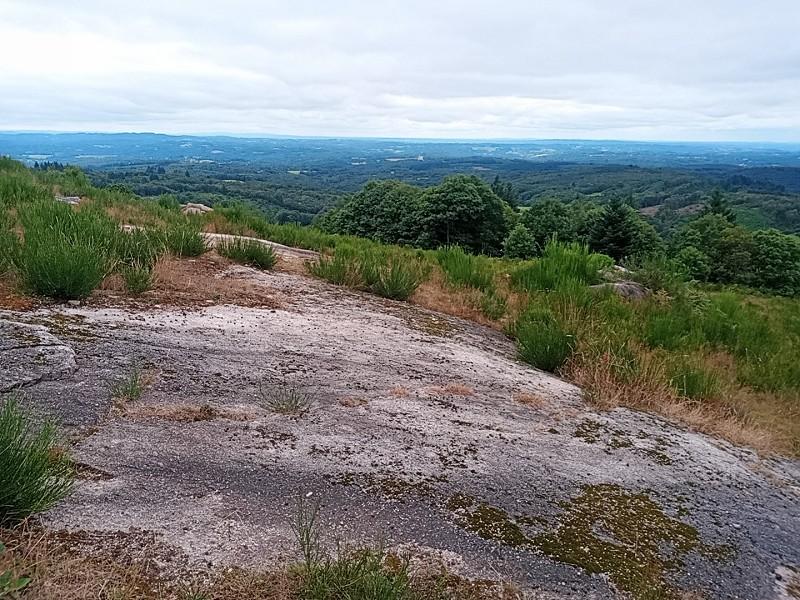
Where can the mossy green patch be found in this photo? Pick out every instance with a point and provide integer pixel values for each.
(626, 536)
(605, 529)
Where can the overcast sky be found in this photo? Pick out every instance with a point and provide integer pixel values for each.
(622, 69)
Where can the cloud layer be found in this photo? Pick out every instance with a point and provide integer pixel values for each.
(624, 69)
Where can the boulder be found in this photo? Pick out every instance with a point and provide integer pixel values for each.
(194, 208)
(629, 290)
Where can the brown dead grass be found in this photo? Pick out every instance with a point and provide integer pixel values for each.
(11, 299)
(605, 390)
(529, 399)
(134, 565)
(452, 389)
(436, 294)
(183, 413)
(352, 402)
(217, 223)
(124, 566)
(189, 282)
(399, 392)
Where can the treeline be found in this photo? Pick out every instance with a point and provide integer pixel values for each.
(463, 210)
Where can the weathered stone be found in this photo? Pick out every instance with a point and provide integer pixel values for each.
(30, 354)
(629, 290)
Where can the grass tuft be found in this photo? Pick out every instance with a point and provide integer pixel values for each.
(542, 340)
(248, 252)
(286, 398)
(35, 473)
(183, 239)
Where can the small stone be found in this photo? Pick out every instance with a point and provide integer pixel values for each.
(74, 302)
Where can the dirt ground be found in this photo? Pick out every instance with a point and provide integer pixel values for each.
(422, 430)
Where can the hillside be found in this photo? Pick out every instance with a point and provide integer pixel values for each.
(291, 412)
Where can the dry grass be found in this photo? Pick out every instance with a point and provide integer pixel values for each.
(124, 566)
(529, 399)
(436, 294)
(452, 389)
(399, 392)
(190, 282)
(352, 402)
(217, 223)
(606, 390)
(183, 413)
(136, 566)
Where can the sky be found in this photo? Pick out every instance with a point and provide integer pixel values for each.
(726, 70)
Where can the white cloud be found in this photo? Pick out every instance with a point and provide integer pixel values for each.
(638, 69)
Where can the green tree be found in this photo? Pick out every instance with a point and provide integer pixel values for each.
(621, 233)
(385, 211)
(718, 205)
(776, 261)
(520, 243)
(463, 210)
(505, 191)
(549, 219)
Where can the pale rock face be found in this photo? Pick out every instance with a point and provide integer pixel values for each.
(421, 432)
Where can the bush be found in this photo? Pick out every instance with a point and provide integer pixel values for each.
(183, 239)
(249, 252)
(542, 341)
(520, 243)
(34, 471)
(657, 272)
(340, 268)
(465, 269)
(66, 253)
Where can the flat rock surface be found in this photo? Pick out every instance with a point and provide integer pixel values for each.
(423, 430)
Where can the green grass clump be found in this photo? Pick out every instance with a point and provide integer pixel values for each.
(558, 264)
(130, 387)
(391, 275)
(285, 398)
(468, 270)
(138, 277)
(693, 381)
(542, 341)
(249, 252)
(389, 272)
(66, 253)
(354, 574)
(184, 239)
(34, 471)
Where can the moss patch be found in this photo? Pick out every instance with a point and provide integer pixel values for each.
(605, 529)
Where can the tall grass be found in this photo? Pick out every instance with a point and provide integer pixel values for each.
(34, 472)
(66, 253)
(184, 239)
(465, 269)
(389, 272)
(542, 340)
(248, 252)
(559, 263)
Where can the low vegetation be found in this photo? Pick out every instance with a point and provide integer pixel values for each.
(248, 252)
(286, 398)
(35, 472)
(717, 356)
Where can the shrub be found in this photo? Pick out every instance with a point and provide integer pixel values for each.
(493, 305)
(520, 243)
(355, 574)
(465, 269)
(130, 387)
(183, 239)
(658, 272)
(34, 471)
(249, 252)
(542, 341)
(340, 268)
(66, 253)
